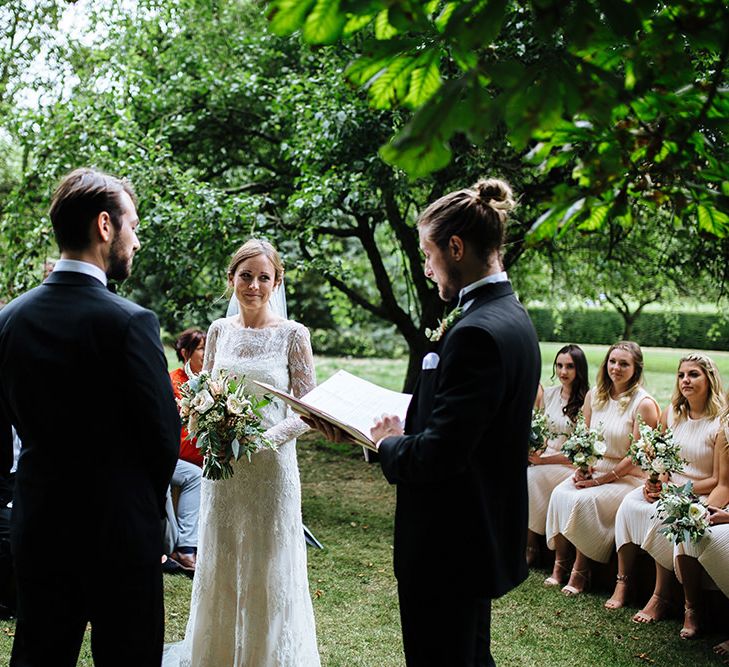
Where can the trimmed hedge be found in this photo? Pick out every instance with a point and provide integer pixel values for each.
(696, 331)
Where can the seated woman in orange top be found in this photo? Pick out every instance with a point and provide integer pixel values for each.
(190, 348)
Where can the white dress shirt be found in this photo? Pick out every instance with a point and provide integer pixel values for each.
(76, 266)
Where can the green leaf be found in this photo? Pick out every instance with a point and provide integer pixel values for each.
(441, 21)
(287, 16)
(713, 221)
(570, 214)
(390, 86)
(596, 219)
(235, 446)
(356, 23)
(383, 29)
(325, 22)
(545, 226)
(425, 80)
(418, 160)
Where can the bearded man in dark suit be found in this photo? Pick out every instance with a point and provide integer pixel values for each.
(460, 462)
(83, 379)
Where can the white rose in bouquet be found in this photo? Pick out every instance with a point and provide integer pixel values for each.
(202, 402)
(235, 405)
(600, 447)
(697, 511)
(579, 459)
(657, 465)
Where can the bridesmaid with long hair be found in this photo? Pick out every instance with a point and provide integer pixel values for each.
(582, 508)
(561, 404)
(711, 553)
(693, 416)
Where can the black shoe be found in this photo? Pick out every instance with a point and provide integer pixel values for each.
(171, 566)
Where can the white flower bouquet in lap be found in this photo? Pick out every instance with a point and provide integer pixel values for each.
(684, 517)
(225, 420)
(655, 452)
(585, 447)
(541, 431)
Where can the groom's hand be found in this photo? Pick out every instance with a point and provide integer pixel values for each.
(385, 427)
(329, 431)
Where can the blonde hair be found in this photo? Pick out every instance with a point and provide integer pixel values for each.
(254, 248)
(477, 215)
(604, 384)
(715, 403)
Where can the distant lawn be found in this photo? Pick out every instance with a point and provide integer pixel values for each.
(660, 367)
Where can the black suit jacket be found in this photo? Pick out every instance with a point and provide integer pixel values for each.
(460, 468)
(84, 380)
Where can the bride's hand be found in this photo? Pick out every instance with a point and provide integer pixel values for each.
(329, 431)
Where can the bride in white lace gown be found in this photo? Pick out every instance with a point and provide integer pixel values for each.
(250, 600)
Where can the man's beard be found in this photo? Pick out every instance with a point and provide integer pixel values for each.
(453, 285)
(120, 266)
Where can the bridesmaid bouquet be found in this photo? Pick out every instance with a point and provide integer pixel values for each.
(540, 431)
(585, 446)
(655, 452)
(685, 518)
(224, 418)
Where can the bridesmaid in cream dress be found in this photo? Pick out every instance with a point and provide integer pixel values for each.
(561, 405)
(712, 551)
(582, 508)
(693, 416)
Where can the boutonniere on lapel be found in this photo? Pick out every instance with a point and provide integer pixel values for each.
(434, 335)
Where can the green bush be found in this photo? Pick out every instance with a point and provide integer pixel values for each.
(698, 331)
(355, 341)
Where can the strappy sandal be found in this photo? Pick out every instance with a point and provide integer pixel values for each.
(571, 591)
(562, 566)
(612, 603)
(690, 633)
(662, 606)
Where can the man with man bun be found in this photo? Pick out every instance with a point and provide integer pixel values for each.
(459, 463)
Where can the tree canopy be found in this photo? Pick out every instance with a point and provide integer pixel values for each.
(629, 94)
(228, 130)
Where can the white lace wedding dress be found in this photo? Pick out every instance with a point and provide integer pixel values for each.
(250, 600)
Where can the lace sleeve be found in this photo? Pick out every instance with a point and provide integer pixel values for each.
(211, 343)
(301, 380)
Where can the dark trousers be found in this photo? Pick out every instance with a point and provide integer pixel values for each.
(445, 630)
(125, 609)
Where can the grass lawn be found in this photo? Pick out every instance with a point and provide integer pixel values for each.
(349, 507)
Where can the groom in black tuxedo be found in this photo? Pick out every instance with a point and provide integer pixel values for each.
(83, 378)
(460, 462)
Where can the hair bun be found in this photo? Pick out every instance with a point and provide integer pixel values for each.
(495, 193)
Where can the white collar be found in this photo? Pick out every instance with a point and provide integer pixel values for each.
(499, 277)
(77, 266)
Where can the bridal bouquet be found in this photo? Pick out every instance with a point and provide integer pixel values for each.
(541, 430)
(655, 451)
(685, 518)
(584, 447)
(224, 418)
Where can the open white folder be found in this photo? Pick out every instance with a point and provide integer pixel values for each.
(349, 402)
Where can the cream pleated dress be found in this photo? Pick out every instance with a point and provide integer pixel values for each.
(636, 520)
(586, 517)
(712, 551)
(541, 479)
